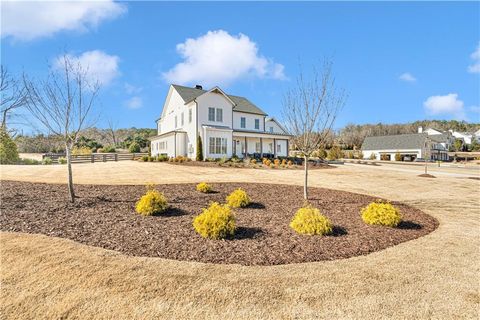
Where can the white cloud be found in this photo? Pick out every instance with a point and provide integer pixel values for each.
(131, 89)
(98, 65)
(218, 58)
(475, 67)
(407, 76)
(134, 103)
(448, 104)
(27, 20)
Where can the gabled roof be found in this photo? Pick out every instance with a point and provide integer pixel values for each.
(395, 142)
(241, 104)
(275, 120)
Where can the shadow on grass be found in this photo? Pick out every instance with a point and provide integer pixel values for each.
(247, 233)
(409, 225)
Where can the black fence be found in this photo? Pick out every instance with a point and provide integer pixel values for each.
(95, 157)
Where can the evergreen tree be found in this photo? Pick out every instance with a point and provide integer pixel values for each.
(199, 149)
(8, 148)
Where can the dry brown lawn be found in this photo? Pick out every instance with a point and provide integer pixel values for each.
(436, 276)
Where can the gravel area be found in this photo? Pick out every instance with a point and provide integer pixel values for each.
(104, 216)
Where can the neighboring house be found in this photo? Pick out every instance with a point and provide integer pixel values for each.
(444, 137)
(227, 125)
(409, 146)
(466, 137)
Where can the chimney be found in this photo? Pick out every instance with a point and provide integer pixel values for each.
(420, 129)
(198, 87)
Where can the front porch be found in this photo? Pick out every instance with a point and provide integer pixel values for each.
(259, 145)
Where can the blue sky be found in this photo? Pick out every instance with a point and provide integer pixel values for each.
(399, 62)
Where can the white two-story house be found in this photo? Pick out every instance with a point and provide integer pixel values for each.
(227, 125)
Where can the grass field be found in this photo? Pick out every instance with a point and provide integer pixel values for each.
(435, 276)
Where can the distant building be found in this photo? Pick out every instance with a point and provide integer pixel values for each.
(409, 146)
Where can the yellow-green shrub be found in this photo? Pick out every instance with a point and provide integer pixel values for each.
(81, 151)
(238, 198)
(204, 187)
(268, 162)
(215, 222)
(381, 213)
(152, 202)
(308, 220)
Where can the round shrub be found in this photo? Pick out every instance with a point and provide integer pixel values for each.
(8, 148)
(47, 161)
(153, 202)
(134, 147)
(382, 214)
(238, 198)
(204, 187)
(62, 160)
(308, 220)
(110, 148)
(215, 222)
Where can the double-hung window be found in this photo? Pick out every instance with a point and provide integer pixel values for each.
(211, 114)
(279, 148)
(257, 124)
(271, 129)
(217, 145)
(219, 115)
(243, 122)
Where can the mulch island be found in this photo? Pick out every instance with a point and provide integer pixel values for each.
(426, 175)
(104, 216)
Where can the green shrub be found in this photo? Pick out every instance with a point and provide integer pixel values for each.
(134, 147)
(62, 160)
(47, 161)
(335, 153)
(108, 149)
(238, 198)
(204, 187)
(162, 158)
(144, 158)
(8, 148)
(29, 161)
(152, 202)
(381, 213)
(215, 222)
(308, 220)
(81, 151)
(199, 156)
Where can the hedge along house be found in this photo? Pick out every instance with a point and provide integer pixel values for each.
(409, 146)
(227, 125)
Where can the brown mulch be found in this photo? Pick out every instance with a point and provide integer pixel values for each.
(426, 175)
(104, 216)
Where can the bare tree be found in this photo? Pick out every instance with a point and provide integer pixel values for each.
(427, 151)
(62, 104)
(13, 95)
(310, 108)
(111, 129)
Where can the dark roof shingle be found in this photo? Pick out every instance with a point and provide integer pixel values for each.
(395, 142)
(241, 104)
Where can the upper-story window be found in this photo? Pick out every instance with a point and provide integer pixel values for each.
(243, 122)
(211, 114)
(190, 115)
(257, 123)
(219, 115)
(270, 129)
(176, 122)
(182, 119)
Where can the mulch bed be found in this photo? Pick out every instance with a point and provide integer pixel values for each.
(426, 175)
(104, 216)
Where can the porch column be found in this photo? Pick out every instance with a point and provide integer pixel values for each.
(261, 147)
(246, 148)
(274, 148)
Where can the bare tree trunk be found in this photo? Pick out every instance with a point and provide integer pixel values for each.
(71, 192)
(425, 166)
(305, 191)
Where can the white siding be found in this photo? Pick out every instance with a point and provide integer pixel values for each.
(272, 124)
(249, 121)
